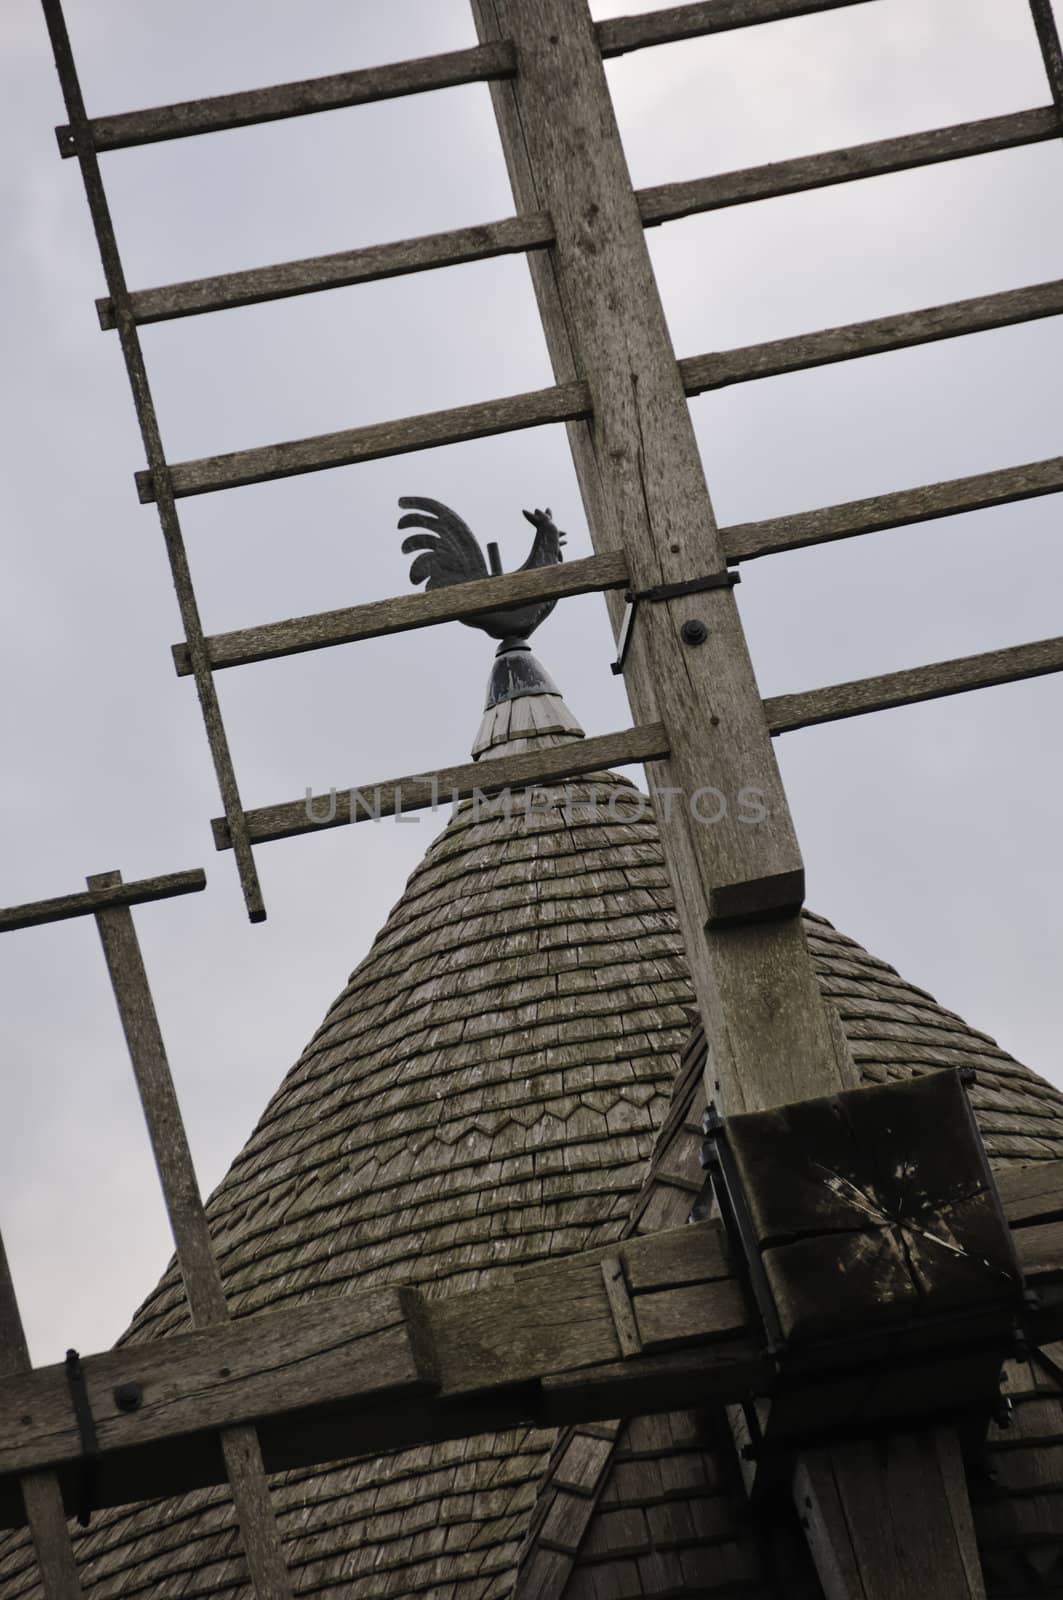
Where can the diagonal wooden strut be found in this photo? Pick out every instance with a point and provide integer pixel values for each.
(188, 1221)
(149, 430)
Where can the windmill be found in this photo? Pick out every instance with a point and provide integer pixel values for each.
(952, 1265)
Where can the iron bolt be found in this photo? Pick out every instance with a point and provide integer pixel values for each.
(693, 632)
(128, 1396)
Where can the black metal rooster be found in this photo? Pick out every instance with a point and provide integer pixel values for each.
(451, 554)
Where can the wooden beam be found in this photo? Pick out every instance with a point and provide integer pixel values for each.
(643, 487)
(300, 99)
(36, 1493)
(389, 1368)
(677, 23)
(139, 893)
(789, 711)
(147, 418)
(1044, 22)
(229, 289)
(745, 541)
(851, 1498)
(877, 337)
(425, 432)
(397, 796)
(408, 611)
(670, 201)
(195, 1255)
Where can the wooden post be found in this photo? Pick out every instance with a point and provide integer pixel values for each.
(737, 886)
(645, 494)
(188, 1220)
(40, 1490)
(889, 1519)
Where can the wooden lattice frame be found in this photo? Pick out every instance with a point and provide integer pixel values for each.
(623, 395)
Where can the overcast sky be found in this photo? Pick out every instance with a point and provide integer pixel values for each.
(930, 833)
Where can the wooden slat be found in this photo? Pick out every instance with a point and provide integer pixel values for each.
(294, 99)
(188, 1222)
(670, 201)
(671, 26)
(408, 611)
(139, 893)
(419, 791)
(1044, 22)
(169, 521)
(744, 541)
(665, 203)
(786, 712)
(337, 271)
(530, 410)
(882, 334)
(38, 1491)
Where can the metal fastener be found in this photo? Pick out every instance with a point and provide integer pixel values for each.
(693, 632)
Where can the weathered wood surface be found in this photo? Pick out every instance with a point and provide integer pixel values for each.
(139, 893)
(188, 1223)
(559, 404)
(644, 491)
(874, 1206)
(420, 790)
(36, 1494)
(379, 617)
(669, 201)
(295, 99)
(388, 1367)
(336, 271)
(1044, 22)
(853, 1499)
(692, 21)
(876, 337)
(136, 371)
(744, 541)
(664, 203)
(786, 712)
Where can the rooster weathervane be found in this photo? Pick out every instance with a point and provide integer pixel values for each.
(450, 553)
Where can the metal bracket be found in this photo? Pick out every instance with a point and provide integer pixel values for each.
(664, 591)
(718, 1160)
(90, 1444)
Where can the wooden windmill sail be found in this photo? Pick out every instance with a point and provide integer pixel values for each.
(665, 1321)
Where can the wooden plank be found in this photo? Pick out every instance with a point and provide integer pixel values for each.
(300, 99)
(669, 201)
(531, 410)
(139, 893)
(188, 1223)
(644, 491)
(380, 617)
(1033, 1193)
(877, 337)
(745, 541)
(889, 1519)
(384, 1369)
(37, 1492)
(786, 712)
(337, 271)
(676, 23)
(419, 791)
(144, 403)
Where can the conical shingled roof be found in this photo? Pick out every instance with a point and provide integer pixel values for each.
(499, 1082)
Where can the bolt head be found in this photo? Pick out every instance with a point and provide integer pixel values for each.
(693, 632)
